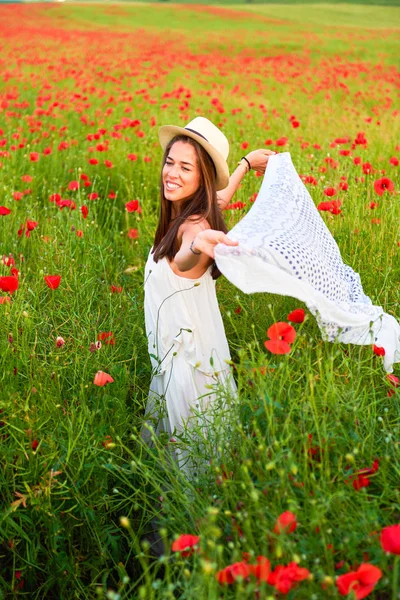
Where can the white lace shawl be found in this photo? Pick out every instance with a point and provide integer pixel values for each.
(285, 248)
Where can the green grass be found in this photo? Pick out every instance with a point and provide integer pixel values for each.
(73, 460)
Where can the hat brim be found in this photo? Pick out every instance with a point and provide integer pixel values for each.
(167, 132)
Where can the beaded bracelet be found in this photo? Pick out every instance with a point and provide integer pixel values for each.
(191, 248)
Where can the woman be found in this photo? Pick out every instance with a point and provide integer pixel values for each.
(186, 338)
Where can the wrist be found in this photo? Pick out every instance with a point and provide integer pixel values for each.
(245, 163)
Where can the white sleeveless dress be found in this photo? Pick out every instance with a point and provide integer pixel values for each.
(188, 349)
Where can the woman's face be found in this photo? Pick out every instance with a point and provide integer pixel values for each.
(180, 174)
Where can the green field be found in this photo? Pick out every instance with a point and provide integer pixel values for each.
(83, 89)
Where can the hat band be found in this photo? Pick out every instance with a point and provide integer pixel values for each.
(197, 133)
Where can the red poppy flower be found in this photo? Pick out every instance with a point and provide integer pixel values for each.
(281, 336)
(383, 185)
(332, 207)
(132, 157)
(108, 164)
(285, 578)
(262, 569)
(18, 196)
(34, 444)
(93, 196)
(101, 378)
(286, 522)
(390, 539)
(133, 234)
(31, 225)
(297, 315)
(84, 211)
(116, 289)
(93, 161)
(330, 191)
(47, 151)
(4, 211)
(185, 544)
(367, 168)
(132, 205)
(394, 161)
(378, 350)
(232, 572)
(393, 380)
(9, 283)
(107, 337)
(34, 156)
(52, 281)
(73, 185)
(360, 582)
(108, 442)
(282, 331)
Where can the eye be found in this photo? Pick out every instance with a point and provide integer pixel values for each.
(185, 169)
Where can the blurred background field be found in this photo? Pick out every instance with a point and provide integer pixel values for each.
(83, 89)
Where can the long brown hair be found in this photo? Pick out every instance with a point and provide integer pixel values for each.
(203, 203)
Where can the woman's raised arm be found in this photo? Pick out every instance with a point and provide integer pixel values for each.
(257, 159)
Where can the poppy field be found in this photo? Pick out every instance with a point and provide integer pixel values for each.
(300, 496)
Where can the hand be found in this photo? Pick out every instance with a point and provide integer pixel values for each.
(259, 159)
(206, 240)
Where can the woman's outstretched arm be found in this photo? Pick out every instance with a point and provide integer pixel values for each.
(258, 160)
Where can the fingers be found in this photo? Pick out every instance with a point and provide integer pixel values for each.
(229, 242)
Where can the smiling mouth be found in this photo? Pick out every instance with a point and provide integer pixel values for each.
(171, 187)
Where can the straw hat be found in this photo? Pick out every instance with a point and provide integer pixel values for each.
(207, 135)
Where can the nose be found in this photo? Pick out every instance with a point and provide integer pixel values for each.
(173, 172)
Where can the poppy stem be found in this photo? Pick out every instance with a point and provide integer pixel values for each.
(395, 576)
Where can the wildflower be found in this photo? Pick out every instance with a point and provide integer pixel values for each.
(296, 316)
(106, 337)
(383, 185)
(393, 380)
(52, 281)
(115, 289)
(360, 582)
(93, 196)
(84, 211)
(132, 205)
(34, 156)
(332, 207)
(280, 336)
(133, 234)
(229, 574)
(378, 350)
(9, 283)
(285, 578)
(390, 539)
(4, 211)
(330, 191)
(60, 342)
(286, 522)
(185, 544)
(93, 161)
(101, 378)
(73, 185)
(34, 444)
